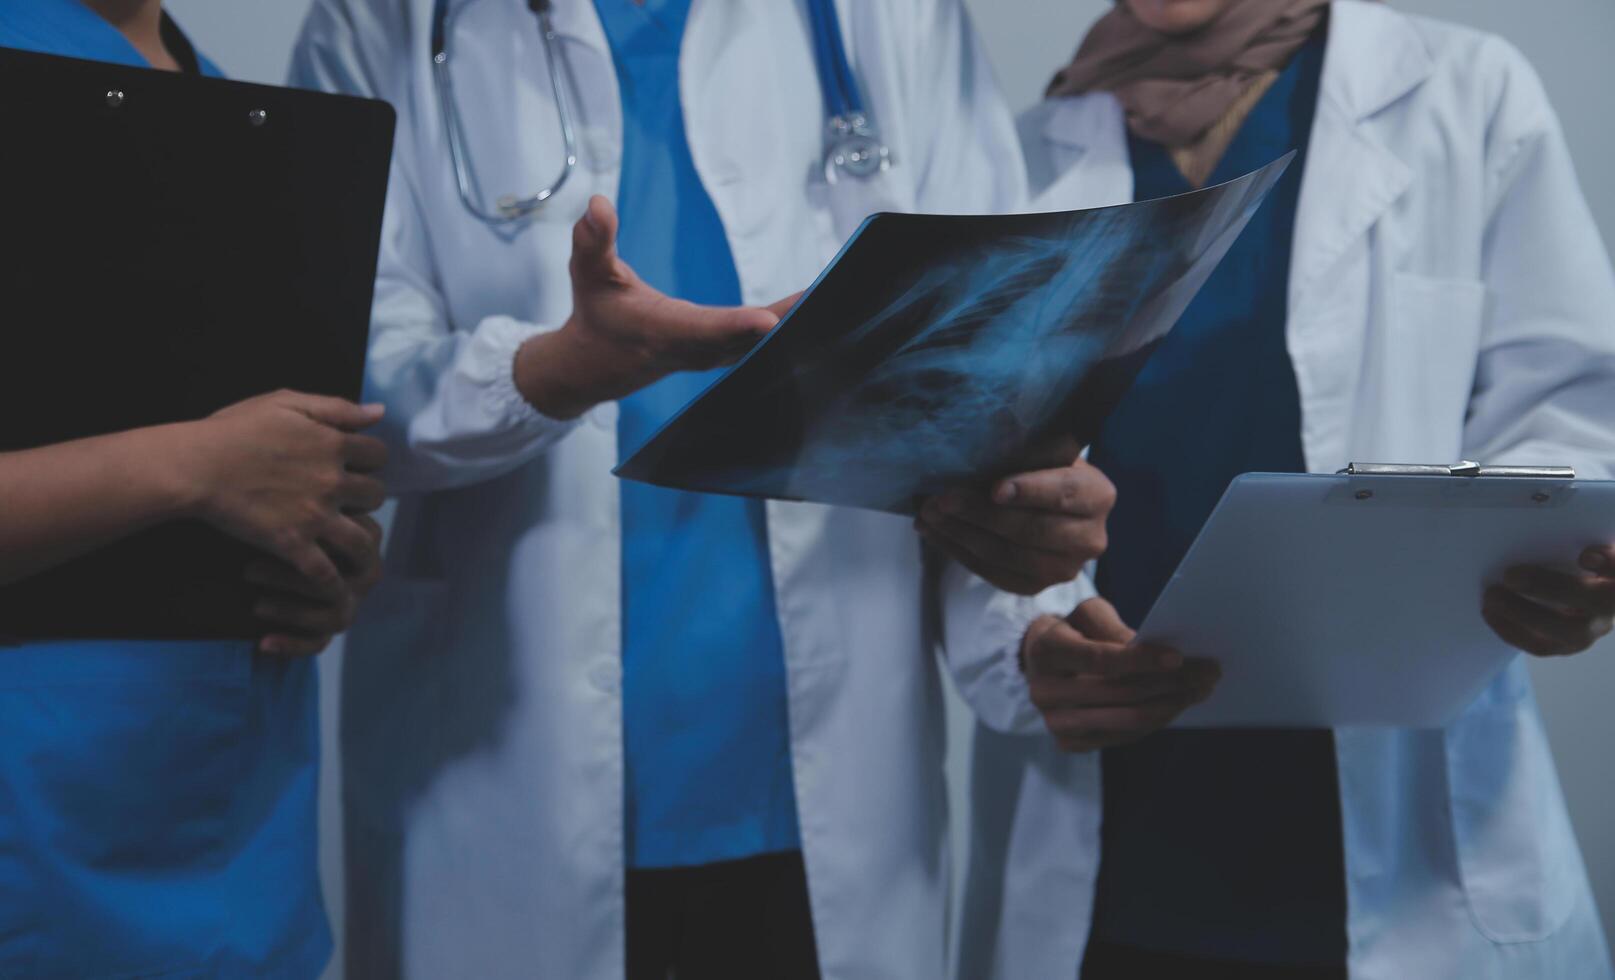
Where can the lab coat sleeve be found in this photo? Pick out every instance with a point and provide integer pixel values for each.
(967, 154)
(982, 629)
(454, 415)
(1545, 381)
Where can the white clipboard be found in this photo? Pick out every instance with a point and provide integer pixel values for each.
(1354, 599)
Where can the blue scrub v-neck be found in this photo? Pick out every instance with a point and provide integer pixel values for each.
(160, 813)
(708, 773)
(1222, 844)
(72, 30)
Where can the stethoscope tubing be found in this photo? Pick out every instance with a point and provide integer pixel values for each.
(843, 102)
(842, 99)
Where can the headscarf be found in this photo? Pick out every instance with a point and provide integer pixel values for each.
(1175, 87)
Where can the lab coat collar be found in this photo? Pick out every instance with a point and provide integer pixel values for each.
(579, 21)
(1375, 56)
(1093, 131)
(1081, 122)
(1361, 34)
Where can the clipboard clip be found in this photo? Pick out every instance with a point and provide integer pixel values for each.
(1461, 468)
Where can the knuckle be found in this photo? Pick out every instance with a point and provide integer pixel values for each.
(1104, 493)
(288, 539)
(1037, 636)
(329, 486)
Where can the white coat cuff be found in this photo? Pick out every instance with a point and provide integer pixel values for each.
(985, 648)
(490, 364)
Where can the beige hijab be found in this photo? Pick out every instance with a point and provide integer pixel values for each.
(1176, 88)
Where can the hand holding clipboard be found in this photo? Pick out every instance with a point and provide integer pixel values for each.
(1357, 598)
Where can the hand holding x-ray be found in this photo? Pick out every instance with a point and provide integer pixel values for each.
(1030, 531)
(624, 335)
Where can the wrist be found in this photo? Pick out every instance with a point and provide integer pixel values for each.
(566, 372)
(174, 464)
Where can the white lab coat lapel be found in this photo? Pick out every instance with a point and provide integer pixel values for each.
(1350, 182)
(578, 20)
(1088, 151)
(743, 120)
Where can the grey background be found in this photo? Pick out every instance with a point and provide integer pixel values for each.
(1568, 41)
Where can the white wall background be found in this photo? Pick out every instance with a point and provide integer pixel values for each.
(1568, 40)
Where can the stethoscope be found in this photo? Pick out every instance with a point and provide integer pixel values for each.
(852, 144)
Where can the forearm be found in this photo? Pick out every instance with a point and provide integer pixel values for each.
(62, 501)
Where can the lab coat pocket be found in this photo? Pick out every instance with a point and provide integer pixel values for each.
(1428, 361)
(1516, 851)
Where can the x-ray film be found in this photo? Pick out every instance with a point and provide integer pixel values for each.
(944, 351)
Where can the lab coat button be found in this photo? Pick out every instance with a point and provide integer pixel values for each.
(606, 676)
(604, 416)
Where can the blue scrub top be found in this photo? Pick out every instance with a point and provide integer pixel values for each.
(704, 704)
(157, 800)
(1221, 844)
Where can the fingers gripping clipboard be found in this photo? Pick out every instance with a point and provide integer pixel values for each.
(1354, 599)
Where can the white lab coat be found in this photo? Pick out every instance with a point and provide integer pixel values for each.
(482, 705)
(1449, 298)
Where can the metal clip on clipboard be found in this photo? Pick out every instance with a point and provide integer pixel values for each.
(1461, 468)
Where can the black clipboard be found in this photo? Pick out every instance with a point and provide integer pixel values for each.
(172, 245)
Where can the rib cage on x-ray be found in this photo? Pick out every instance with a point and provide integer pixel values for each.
(938, 351)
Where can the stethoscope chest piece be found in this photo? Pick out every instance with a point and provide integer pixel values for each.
(853, 149)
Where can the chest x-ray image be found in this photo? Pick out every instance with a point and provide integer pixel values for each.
(945, 351)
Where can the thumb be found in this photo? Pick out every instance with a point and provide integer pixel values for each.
(1099, 620)
(594, 240)
(728, 326)
(781, 307)
(338, 413)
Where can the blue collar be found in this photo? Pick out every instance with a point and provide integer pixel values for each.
(72, 30)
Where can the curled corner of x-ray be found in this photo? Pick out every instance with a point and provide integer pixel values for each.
(946, 351)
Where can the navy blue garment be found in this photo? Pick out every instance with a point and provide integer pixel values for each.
(704, 702)
(1222, 844)
(158, 813)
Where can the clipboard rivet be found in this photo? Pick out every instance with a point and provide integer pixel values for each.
(258, 117)
(1364, 494)
(114, 98)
